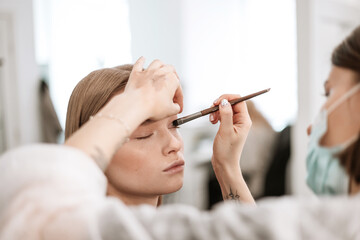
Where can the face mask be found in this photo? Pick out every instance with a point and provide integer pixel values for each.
(325, 175)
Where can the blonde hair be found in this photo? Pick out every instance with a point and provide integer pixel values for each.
(92, 93)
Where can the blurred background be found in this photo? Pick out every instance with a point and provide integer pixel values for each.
(229, 46)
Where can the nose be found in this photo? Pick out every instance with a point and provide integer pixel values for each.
(173, 142)
(308, 130)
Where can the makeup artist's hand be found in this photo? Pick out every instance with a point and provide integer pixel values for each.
(157, 88)
(234, 127)
(229, 141)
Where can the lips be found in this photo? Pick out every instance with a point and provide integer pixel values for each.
(174, 167)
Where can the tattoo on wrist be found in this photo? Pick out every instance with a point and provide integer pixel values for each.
(99, 158)
(232, 196)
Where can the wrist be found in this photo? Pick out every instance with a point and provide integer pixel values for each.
(227, 173)
(228, 167)
(232, 184)
(125, 107)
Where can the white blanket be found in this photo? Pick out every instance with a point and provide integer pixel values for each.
(57, 192)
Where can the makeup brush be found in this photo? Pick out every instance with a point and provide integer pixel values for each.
(207, 111)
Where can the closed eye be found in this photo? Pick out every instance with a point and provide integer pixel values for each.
(144, 137)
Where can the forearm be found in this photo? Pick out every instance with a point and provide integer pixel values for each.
(232, 184)
(102, 136)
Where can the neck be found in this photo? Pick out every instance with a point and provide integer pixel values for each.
(131, 199)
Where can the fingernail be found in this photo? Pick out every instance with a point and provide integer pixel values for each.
(224, 102)
(215, 101)
(211, 117)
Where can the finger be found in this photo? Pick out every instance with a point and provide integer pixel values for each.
(174, 85)
(177, 74)
(169, 68)
(217, 102)
(229, 97)
(175, 109)
(239, 110)
(241, 115)
(164, 70)
(226, 117)
(155, 64)
(179, 98)
(172, 110)
(138, 66)
(213, 117)
(216, 116)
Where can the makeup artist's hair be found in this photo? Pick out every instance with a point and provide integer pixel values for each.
(92, 93)
(347, 55)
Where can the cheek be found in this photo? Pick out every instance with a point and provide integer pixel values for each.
(335, 95)
(136, 158)
(178, 136)
(129, 159)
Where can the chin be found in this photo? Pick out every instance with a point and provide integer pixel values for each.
(174, 187)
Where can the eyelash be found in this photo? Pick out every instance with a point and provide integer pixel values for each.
(145, 137)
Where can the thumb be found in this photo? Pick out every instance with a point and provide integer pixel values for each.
(175, 109)
(167, 111)
(226, 117)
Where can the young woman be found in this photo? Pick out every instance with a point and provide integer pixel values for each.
(333, 158)
(151, 162)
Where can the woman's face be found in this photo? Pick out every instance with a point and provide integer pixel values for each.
(151, 163)
(344, 121)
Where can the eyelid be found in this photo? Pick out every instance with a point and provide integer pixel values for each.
(326, 88)
(144, 137)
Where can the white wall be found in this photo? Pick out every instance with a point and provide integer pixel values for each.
(25, 106)
(76, 37)
(156, 30)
